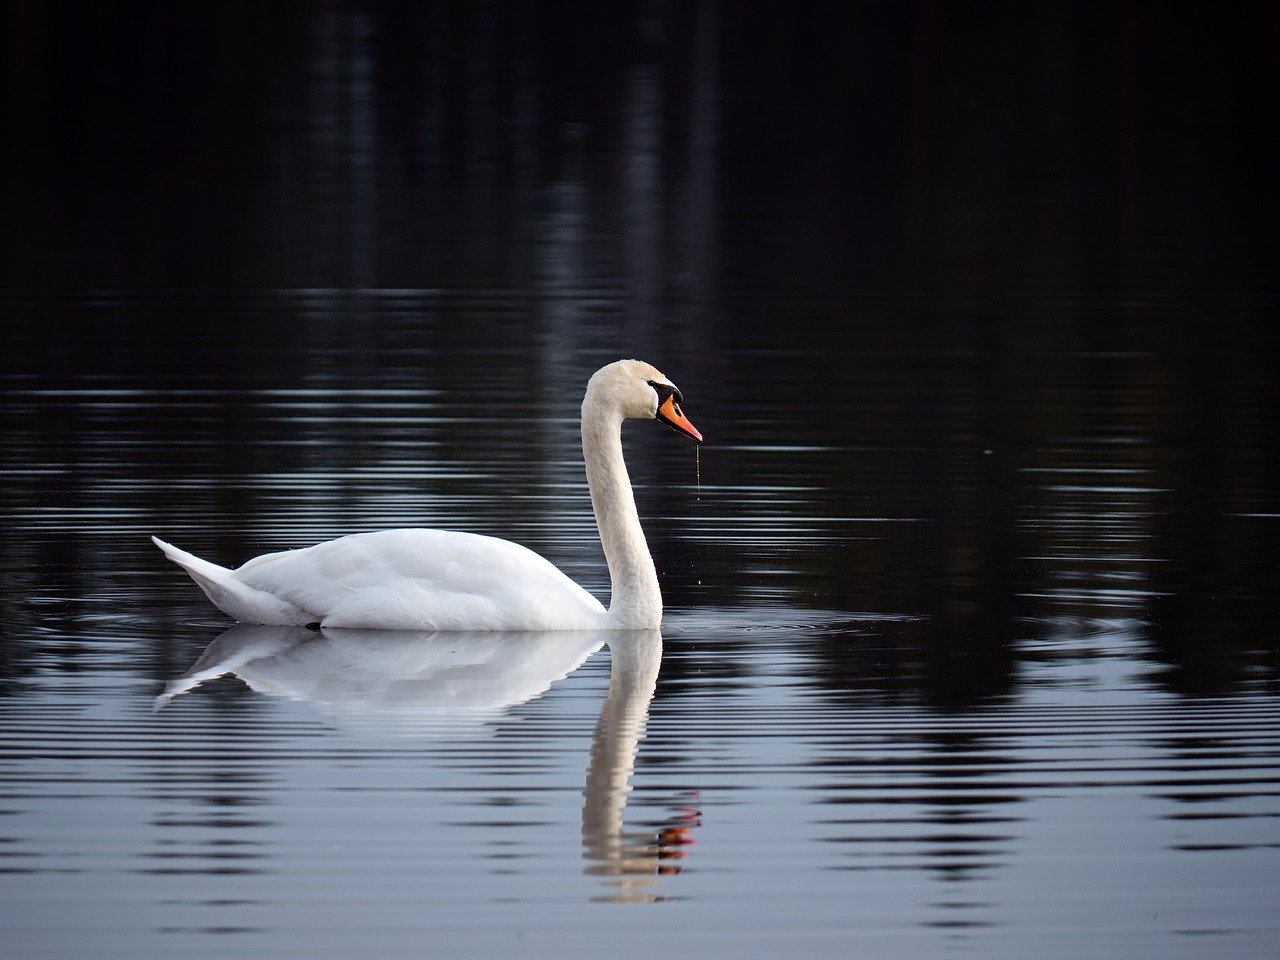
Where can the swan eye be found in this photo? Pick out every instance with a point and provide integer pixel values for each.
(664, 390)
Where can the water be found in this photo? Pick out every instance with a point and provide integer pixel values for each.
(920, 686)
(970, 642)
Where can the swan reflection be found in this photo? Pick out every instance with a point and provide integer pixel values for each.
(402, 681)
(456, 682)
(628, 861)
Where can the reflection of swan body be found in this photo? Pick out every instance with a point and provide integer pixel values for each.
(393, 675)
(411, 682)
(443, 580)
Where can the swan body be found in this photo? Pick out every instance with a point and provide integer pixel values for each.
(417, 579)
(405, 579)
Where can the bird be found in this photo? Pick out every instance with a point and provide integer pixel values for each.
(428, 579)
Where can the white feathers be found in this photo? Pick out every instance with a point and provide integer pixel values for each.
(400, 580)
(233, 596)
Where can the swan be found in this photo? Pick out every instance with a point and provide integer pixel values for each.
(415, 579)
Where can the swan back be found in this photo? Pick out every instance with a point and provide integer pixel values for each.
(425, 580)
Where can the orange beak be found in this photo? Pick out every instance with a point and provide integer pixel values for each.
(671, 414)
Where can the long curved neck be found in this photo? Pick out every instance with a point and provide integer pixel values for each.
(636, 600)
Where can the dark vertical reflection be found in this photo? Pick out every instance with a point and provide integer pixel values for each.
(1214, 609)
(695, 208)
(968, 811)
(341, 166)
(642, 150)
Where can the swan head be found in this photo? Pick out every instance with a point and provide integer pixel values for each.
(640, 391)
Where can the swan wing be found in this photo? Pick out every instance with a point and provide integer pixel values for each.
(424, 580)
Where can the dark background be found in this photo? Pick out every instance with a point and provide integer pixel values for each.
(996, 149)
(951, 252)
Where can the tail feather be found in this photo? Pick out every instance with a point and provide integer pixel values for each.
(234, 597)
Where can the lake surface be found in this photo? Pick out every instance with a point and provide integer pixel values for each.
(996, 686)
(970, 643)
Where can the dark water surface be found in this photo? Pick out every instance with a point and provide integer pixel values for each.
(939, 670)
(970, 645)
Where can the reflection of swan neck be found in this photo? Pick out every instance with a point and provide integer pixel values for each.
(636, 601)
(636, 658)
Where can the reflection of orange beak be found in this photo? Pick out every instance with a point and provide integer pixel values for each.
(676, 835)
(671, 414)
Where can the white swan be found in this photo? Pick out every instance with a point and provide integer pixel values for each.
(444, 580)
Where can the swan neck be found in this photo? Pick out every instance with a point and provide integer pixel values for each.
(636, 600)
